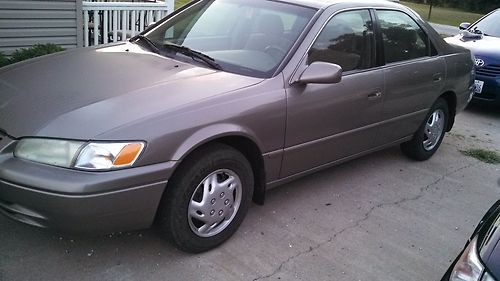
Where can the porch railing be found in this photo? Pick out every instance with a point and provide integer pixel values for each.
(105, 22)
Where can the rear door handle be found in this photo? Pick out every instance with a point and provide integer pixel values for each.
(375, 95)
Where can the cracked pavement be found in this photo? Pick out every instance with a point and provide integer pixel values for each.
(365, 217)
(380, 217)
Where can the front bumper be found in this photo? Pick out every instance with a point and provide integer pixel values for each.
(79, 201)
(491, 90)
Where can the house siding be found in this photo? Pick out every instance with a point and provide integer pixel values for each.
(26, 23)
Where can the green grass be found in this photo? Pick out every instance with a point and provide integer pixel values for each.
(179, 3)
(442, 15)
(487, 156)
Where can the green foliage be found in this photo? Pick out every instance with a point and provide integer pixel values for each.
(29, 53)
(3, 60)
(35, 51)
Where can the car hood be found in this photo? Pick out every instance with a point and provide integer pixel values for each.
(82, 93)
(487, 46)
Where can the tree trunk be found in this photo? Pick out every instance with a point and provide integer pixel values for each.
(430, 10)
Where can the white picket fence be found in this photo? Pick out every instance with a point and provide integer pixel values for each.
(105, 22)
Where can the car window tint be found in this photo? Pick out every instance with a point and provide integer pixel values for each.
(402, 37)
(346, 40)
(209, 18)
(287, 19)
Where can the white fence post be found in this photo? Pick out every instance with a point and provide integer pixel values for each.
(120, 20)
(85, 28)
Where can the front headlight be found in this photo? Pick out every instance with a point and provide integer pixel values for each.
(79, 154)
(487, 277)
(469, 266)
(100, 155)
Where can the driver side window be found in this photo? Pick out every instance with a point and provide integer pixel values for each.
(346, 40)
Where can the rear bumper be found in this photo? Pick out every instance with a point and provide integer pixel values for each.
(78, 201)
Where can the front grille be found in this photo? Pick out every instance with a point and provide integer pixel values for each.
(489, 71)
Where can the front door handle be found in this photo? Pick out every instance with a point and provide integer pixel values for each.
(437, 77)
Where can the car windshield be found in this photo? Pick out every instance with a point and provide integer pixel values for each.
(246, 37)
(489, 25)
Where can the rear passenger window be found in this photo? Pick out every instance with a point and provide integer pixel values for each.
(402, 37)
(346, 40)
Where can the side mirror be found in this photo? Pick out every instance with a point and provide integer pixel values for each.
(464, 26)
(321, 73)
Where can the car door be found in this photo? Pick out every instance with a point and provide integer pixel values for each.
(329, 122)
(414, 74)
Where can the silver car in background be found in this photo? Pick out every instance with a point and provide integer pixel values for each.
(189, 121)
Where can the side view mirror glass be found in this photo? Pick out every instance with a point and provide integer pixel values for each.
(321, 73)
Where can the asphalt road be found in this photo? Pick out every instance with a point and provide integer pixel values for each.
(381, 217)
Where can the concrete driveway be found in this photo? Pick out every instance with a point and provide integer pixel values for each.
(381, 217)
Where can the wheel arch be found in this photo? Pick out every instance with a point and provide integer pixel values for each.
(235, 137)
(253, 154)
(451, 99)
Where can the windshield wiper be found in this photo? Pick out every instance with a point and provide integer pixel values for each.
(193, 54)
(149, 42)
(477, 31)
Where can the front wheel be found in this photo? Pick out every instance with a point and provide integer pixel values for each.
(207, 198)
(430, 134)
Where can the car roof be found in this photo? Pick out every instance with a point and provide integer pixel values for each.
(322, 4)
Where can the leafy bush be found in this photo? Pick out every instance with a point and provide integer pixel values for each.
(29, 53)
(3, 60)
(35, 51)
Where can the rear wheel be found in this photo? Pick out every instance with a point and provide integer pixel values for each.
(207, 198)
(429, 136)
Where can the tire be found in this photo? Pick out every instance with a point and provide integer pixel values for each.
(430, 134)
(207, 198)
